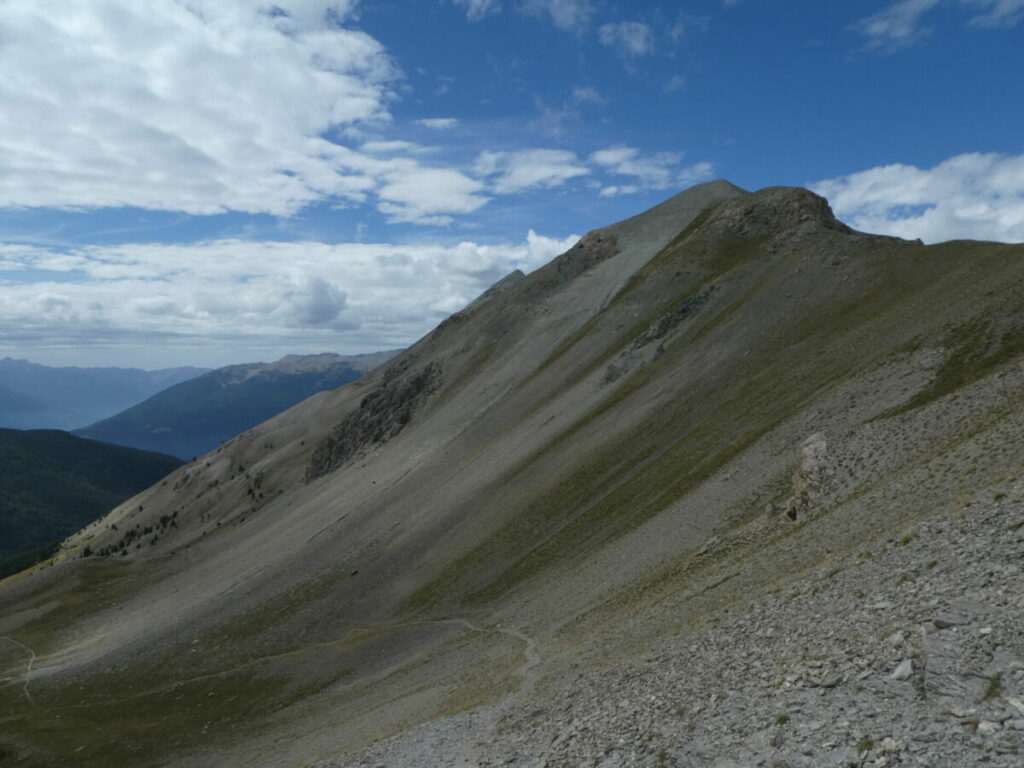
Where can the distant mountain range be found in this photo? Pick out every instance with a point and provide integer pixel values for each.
(52, 483)
(34, 396)
(195, 416)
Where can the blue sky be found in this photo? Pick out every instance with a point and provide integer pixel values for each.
(215, 181)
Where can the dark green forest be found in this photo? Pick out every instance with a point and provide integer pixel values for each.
(53, 483)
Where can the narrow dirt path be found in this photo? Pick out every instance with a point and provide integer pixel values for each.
(485, 719)
(463, 743)
(524, 670)
(528, 669)
(28, 668)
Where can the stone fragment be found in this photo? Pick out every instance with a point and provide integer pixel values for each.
(904, 670)
(890, 745)
(950, 619)
(987, 727)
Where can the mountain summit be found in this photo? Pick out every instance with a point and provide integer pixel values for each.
(726, 483)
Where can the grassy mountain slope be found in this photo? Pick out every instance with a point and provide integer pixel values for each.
(34, 396)
(687, 410)
(195, 416)
(52, 483)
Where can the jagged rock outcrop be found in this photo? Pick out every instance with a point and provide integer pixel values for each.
(808, 480)
(381, 415)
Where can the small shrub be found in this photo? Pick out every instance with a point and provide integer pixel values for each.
(994, 687)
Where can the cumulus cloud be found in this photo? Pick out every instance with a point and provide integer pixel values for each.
(198, 106)
(427, 195)
(971, 196)
(513, 172)
(478, 9)
(190, 299)
(660, 170)
(206, 106)
(630, 38)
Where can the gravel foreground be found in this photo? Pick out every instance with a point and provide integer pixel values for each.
(908, 655)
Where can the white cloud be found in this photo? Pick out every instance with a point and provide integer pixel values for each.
(427, 195)
(389, 147)
(661, 170)
(196, 301)
(198, 106)
(514, 172)
(971, 196)
(901, 25)
(897, 26)
(616, 190)
(438, 123)
(586, 94)
(570, 15)
(630, 38)
(999, 13)
(478, 9)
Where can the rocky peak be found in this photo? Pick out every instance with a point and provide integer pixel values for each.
(772, 210)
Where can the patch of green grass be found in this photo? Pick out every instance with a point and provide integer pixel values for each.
(975, 350)
(994, 688)
(135, 719)
(636, 476)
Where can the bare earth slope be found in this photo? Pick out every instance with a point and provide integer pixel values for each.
(566, 526)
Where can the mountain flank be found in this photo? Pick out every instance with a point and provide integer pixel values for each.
(727, 483)
(53, 483)
(36, 396)
(195, 416)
